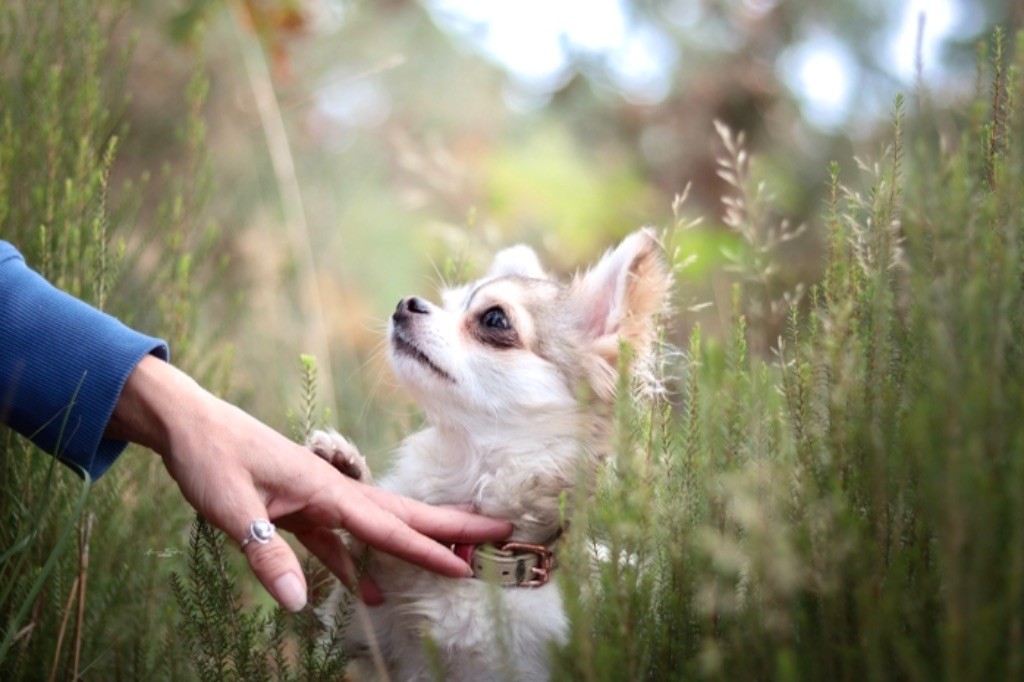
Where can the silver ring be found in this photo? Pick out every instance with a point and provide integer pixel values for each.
(261, 531)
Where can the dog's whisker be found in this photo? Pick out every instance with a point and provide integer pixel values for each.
(441, 284)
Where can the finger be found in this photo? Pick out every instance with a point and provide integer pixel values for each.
(452, 523)
(384, 531)
(275, 566)
(369, 592)
(329, 547)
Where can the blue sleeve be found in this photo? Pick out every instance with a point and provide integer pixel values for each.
(62, 367)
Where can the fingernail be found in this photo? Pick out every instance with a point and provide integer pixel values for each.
(289, 592)
(370, 593)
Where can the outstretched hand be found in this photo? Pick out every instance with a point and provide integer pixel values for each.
(234, 469)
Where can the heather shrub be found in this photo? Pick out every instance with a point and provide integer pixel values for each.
(841, 501)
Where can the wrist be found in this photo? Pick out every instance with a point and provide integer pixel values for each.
(154, 399)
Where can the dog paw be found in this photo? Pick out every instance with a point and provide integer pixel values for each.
(340, 453)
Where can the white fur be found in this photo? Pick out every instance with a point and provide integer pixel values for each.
(508, 434)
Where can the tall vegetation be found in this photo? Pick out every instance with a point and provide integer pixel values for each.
(844, 501)
(850, 506)
(83, 580)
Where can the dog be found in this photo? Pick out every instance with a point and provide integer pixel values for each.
(517, 375)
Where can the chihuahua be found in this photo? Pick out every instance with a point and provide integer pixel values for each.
(517, 375)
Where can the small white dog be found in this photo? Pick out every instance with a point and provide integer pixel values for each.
(517, 376)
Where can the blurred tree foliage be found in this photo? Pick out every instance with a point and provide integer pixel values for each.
(414, 154)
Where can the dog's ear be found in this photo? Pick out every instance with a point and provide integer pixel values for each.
(519, 260)
(618, 298)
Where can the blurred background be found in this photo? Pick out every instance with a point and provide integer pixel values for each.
(362, 151)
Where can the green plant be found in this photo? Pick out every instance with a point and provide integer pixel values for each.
(845, 502)
(84, 568)
(850, 506)
(227, 640)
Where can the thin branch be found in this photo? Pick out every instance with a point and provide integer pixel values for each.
(283, 162)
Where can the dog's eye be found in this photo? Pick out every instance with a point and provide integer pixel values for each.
(495, 318)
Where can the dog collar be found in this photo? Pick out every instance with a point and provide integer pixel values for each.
(509, 564)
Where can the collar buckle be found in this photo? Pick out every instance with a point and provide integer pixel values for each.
(541, 572)
(511, 563)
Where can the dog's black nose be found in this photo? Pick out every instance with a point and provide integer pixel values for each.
(415, 304)
(410, 305)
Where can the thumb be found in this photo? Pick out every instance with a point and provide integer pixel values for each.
(273, 562)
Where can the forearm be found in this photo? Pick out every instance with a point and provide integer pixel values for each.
(62, 367)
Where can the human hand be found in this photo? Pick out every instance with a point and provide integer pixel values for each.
(234, 469)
